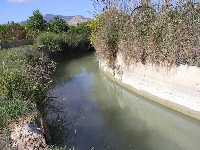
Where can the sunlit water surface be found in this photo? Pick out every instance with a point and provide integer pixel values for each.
(98, 114)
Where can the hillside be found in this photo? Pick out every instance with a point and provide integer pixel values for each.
(71, 20)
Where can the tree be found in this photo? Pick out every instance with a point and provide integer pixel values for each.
(146, 3)
(58, 25)
(36, 22)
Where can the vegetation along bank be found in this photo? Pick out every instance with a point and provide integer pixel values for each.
(152, 48)
(27, 68)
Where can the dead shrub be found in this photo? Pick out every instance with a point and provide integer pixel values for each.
(168, 37)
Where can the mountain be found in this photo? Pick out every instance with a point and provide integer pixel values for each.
(71, 20)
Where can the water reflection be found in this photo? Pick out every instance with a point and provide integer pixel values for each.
(103, 115)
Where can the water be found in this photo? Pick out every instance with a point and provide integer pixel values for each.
(98, 114)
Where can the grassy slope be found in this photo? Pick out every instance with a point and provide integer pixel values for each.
(21, 90)
(12, 84)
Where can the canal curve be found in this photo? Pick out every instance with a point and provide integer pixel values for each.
(91, 112)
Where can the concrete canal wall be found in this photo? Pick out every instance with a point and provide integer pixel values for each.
(177, 87)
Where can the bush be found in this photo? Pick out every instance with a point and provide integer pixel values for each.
(12, 32)
(135, 42)
(51, 42)
(106, 33)
(24, 81)
(168, 36)
(79, 37)
(71, 42)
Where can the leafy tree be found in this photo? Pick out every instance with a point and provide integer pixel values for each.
(58, 25)
(36, 22)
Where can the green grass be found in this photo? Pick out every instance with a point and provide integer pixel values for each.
(20, 90)
(13, 109)
(12, 103)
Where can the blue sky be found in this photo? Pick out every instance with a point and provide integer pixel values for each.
(19, 10)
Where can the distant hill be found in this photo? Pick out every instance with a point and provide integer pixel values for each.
(71, 20)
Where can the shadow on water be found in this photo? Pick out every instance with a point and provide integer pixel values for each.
(93, 112)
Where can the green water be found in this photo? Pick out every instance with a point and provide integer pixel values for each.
(99, 114)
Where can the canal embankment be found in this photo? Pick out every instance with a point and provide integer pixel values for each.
(155, 52)
(177, 88)
(27, 73)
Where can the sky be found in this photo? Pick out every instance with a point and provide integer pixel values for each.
(20, 10)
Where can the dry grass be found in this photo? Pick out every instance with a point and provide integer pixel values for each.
(169, 36)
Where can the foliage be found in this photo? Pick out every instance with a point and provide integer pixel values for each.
(36, 22)
(13, 34)
(51, 42)
(136, 35)
(167, 36)
(54, 36)
(24, 81)
(82, 29)
(12, 31)
(58, 25)
(106, 32)
(95, 25)
(76, 38)
(80, 36)
(26, 72)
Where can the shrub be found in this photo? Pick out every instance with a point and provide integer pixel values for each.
(168, 36)
(135, 42)
(51, 42)
(24, 81)
(106, 32)
(71, 42)
(79, 37)
(12, 31)
(13, 34)
(39, 72)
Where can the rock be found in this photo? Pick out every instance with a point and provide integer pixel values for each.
(28, 137)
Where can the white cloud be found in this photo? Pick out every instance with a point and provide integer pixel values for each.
(19, 1)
